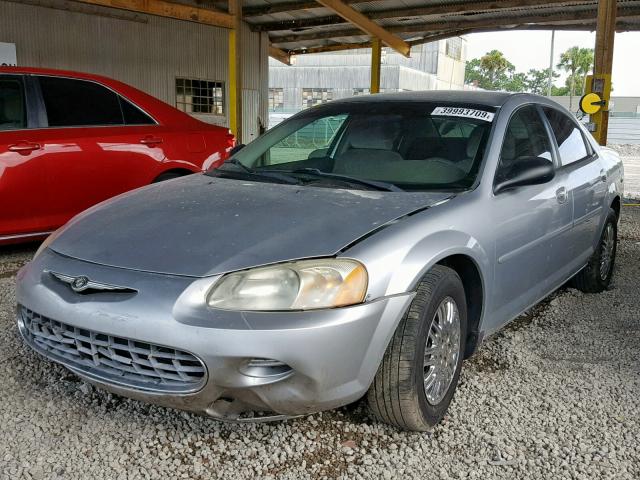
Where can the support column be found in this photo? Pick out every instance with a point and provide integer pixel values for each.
(235, 71)
(603, 61)
(376, 56)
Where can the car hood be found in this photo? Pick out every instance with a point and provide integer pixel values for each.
(200, 225)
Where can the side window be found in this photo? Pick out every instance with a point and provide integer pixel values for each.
(568, 136)
(525, 138)
(74, 103)
(312, 140)
(133, 115)
(13, 114)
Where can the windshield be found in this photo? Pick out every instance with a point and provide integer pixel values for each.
(372, 145)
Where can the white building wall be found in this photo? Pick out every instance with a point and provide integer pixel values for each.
(145, 51)
(428, 68)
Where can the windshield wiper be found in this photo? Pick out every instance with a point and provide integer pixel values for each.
(377, 185)
(235, 161)
(250, 172)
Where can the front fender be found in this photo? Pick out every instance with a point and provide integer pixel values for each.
(396, 261)
(432, 250)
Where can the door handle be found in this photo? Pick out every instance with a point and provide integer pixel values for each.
(151, 141)
(561, 195)
(24, 147)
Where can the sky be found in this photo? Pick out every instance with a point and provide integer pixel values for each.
(531, 49)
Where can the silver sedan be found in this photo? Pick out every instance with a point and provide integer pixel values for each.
(363, 247)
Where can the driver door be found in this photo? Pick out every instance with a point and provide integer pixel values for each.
(529, 220)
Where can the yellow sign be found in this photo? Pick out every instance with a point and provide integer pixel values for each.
(591, 103)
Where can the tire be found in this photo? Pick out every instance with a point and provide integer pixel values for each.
(594, 277)
(398, 395)
(168, 176)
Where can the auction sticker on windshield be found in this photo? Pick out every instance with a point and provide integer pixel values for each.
(463, 112)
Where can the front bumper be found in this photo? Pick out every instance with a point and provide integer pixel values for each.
(330, 356)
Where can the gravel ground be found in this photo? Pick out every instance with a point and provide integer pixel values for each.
(555, 395)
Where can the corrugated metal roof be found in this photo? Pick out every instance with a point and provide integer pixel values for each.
(298, 26)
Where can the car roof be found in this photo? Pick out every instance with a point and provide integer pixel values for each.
(493, 99)
(56, 73)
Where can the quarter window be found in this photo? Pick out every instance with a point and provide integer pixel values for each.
(200, 96)
(72, 103)
(525, 138)
(133, 115)
(13, 114)
(570, 141)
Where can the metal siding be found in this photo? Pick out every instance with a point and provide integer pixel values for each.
(145, 51)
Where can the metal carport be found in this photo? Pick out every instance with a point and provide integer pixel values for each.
(302, 27)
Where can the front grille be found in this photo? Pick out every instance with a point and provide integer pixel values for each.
(116, 360)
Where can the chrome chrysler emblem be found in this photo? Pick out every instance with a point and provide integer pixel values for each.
(79, 284)
(82, 283)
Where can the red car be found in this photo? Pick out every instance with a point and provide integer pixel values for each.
(70, 140)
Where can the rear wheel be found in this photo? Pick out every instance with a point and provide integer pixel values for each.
(419, 373)
(597, 274)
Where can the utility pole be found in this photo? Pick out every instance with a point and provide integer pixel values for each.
(553, 39)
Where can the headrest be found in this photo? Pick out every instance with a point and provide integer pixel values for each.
(474, 142)
(374, 133)
(508, 147)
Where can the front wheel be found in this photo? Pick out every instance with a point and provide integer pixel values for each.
(419, 373)
(596, 276)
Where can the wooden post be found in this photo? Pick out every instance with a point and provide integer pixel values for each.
(376, 57)
(603, 61)
(235, 71)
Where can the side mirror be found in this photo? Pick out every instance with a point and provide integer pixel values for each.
(236, 149)
(527, 171)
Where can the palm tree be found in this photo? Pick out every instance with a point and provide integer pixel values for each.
(577, 62)
(496, 66)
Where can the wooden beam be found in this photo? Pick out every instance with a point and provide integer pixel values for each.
(283, 7)
(541, 19)
(621, 26)
(603, 61)
(482, 6)
(280, 55)
(162, 8)
(235, 71)
(337, 47)
(367, 26)
(376, 61)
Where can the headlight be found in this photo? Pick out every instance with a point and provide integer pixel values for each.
(302, 285)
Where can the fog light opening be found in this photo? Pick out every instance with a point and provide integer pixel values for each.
(265, 368)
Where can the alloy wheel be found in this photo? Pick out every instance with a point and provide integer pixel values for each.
(442, 351)
(606, 251)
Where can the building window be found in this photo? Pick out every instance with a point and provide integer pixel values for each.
(276, 99)
(454, 48)
(200, 96)
(316, 96)
(360, 91)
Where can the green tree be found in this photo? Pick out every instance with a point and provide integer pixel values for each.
(537, 81)
(577, 63)
(559, 91)
(496, 66)
(491, 72)
(516, 82)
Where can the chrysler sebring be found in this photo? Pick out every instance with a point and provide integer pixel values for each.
(361, 248)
